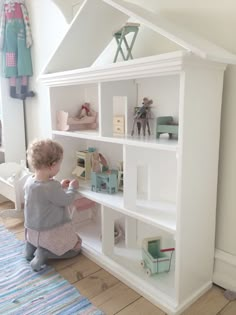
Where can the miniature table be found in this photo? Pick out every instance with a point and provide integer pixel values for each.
(120, 38)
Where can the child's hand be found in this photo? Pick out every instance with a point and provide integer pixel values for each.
(65, 183)
(74, 183)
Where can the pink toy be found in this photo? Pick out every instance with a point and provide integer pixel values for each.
(83, 203)
(86, 119)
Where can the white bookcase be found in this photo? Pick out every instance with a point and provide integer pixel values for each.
(170, 185)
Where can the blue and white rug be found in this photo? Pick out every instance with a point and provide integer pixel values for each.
(23, 291)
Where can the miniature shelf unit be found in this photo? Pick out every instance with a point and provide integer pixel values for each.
(169, 185)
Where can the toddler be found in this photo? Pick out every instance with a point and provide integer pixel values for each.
(48, 226)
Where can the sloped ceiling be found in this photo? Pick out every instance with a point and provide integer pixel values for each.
(65, 6)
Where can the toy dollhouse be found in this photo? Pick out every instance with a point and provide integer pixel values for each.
(170, 184)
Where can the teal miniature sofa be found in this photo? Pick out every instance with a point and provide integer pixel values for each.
(165, 124)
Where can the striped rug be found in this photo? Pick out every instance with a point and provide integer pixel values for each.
(23, 291)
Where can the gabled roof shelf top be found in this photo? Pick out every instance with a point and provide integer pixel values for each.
(180, 36)
(91, 31)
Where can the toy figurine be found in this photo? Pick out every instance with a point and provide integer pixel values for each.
(141, 117)
(84, 111)
(15, 43)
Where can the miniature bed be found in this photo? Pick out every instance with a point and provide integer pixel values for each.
(81, 121)
(12, 180)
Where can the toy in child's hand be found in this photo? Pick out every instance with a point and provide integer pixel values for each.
(74, 184)
(65, 183)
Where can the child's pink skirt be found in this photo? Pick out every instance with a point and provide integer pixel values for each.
(58, 240)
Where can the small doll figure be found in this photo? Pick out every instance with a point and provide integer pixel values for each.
(15, 43)
(84, 111)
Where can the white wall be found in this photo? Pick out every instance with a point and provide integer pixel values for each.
(214, 20)
(48, 27)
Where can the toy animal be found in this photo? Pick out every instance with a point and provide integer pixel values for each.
(141, 117)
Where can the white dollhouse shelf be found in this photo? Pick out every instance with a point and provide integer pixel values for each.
(170, 185)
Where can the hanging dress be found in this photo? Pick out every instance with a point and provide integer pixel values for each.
(15, 39)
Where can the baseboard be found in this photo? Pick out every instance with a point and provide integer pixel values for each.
(224, 273)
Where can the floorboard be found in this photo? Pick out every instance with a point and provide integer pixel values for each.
(112, 296)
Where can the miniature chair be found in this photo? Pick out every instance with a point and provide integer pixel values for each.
(120, 38)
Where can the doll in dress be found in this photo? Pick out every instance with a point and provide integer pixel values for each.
(15, 43)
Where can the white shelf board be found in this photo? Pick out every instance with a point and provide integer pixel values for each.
(130, 259)
(125, 265)
(151, 142)
(159, 214)
(2, 150)
(163, 64)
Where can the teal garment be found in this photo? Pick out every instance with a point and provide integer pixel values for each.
(15, 43)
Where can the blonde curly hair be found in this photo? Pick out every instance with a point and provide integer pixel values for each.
(43, 153)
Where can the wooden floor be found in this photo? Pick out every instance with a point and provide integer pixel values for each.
(111, 295)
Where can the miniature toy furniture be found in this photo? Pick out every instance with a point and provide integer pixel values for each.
(12, 180)
(119, 125)
(104, 181)
(83, 167)
(120, 37)
(165, 124)
(62, 120)
(155, 259)
(120, 182)
(85, 120)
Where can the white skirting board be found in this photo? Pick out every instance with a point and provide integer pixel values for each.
(225, 270)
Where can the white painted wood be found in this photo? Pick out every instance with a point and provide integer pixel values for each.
(108, 220)
(151, 142)
(130, 232)
(168, 63)
(180, 36)
(13, 129)
(225, 270)
(159, 214)
(170, 186)
(88, 33)
(198, 161)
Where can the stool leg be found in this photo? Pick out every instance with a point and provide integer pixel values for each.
(129, 55)
(119, 42)
(131, 45)
(119, 49)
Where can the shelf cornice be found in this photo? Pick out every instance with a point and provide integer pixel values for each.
(158, 65)
(168, 63)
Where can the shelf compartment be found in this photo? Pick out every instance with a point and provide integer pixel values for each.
(160, 214)
(87, 224)
(127, 252)
(151, 177)
(122, 97)
(87, 93)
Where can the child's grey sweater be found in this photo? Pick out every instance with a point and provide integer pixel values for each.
(46, 204)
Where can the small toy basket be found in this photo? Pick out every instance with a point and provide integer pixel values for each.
(155, 259)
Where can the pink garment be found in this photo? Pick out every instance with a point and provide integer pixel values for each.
(13, 11)
(58, 240)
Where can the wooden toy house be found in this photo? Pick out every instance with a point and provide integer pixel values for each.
(170, 185)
